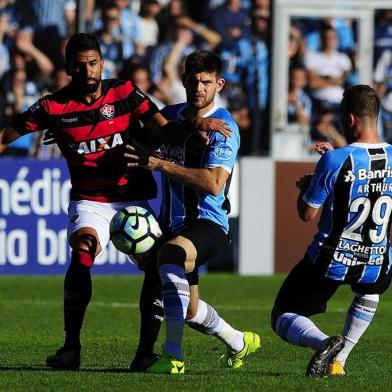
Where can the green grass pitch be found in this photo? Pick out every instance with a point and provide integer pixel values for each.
(31, 328)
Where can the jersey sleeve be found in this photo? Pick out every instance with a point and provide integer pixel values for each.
(222, 151)
(35, 118)
(323, 180)
(141, 105)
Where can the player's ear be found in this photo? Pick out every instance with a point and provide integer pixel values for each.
(352, 120)
(221, 83)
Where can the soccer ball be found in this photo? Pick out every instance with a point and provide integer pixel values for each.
(134, 230)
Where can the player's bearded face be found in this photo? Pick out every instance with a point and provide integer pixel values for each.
(201, 89)
(86, 71)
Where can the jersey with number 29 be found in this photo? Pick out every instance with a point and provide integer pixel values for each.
(354, 185)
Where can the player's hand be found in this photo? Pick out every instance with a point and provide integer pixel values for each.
(323, 147)
(206, 125)
(138, 155)
(303, 183)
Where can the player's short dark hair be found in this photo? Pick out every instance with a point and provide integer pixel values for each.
(361, 100)
(79, 43)
(203, 61)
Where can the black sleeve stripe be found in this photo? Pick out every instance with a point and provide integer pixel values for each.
(149, 114)
(136, 98)
(39, 117)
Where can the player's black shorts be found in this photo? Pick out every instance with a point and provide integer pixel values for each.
(306, 290)
(209, 240)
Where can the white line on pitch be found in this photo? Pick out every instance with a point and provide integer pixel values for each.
(136, 305)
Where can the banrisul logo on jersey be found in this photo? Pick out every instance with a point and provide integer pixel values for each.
(97, 145)
(223, 151)
(364, 174)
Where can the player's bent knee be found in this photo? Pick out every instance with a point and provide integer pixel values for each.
(87, 242)
(171, 254)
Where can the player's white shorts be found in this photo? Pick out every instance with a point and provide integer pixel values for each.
(85, 213)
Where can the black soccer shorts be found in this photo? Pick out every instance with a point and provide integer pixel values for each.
(209, 240)
(306, 290)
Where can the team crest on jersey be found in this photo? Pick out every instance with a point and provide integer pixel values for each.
(107, 111)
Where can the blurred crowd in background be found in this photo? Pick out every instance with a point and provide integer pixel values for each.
(147, 41)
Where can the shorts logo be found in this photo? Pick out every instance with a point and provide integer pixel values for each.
(107, 111)
(74, 218)
(223, 151)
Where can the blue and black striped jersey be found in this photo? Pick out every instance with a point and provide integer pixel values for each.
(354, 185)
(182, 204)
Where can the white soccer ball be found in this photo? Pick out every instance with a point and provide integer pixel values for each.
(134, 230)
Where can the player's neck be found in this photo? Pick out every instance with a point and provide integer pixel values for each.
(92, 97)
(369, 137)
(192, 111)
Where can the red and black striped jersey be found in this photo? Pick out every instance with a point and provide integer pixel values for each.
(92, 138)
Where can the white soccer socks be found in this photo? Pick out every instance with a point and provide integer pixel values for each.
(175, 292)
(208, 321)
(359, 317)
(299, 330)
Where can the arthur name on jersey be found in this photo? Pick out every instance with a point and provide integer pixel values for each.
(367, 175)
(97, 145)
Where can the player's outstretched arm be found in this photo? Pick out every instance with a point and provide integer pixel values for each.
(176, 132)
(205, 180)
(7, 135)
